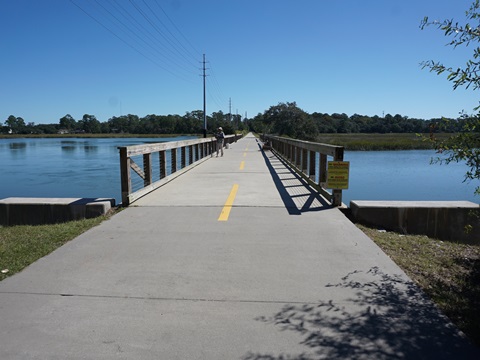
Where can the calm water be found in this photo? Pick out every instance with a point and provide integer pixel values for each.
(405, 175)
(90, 168)
(67, 167)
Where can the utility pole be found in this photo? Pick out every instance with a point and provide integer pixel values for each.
(230, 110)
(204, 99)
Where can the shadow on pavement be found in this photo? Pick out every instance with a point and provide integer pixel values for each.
(388, 318)
(295, 192)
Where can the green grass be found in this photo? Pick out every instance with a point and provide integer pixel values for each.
(448, 272)
(22, 245)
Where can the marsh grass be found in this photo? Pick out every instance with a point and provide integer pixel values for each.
(364, 142)
(448, 272)
(24, 244)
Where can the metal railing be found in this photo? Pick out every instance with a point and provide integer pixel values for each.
(140, 173)
(309, 160)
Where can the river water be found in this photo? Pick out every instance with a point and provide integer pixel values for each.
(406, 175)
(78, 167)
(65, 167)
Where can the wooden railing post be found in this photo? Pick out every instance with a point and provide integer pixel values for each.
(312, 162)
(337, 194)
(183, 160)
(197, 152)
(190, 155)
(126, 184)
(174, 161)
(147, 169)
(323, 170)
(163, 163)
(305, 160)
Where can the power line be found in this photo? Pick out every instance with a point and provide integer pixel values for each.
(146, 45)
(172, 49)
(178, 30)
(145, 27)
(121, 39)
(171, 34)
(143, 30)
(216, 93)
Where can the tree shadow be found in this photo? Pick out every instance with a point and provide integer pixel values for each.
(387, 318)
(295, 192)
(461, 294)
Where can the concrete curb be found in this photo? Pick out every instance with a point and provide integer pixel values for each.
(38, 211)
(444, 220)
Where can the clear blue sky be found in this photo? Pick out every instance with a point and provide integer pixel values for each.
(113, 57)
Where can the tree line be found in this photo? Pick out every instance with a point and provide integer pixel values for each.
(284, 119)
(287, 119)
(190, 123)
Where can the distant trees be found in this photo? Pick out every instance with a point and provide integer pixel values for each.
(288, 119)
(89, 124)
(68, 123)
(123, 124)
(285, 119)
(15, 125)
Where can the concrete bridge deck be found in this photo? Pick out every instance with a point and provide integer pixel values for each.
(236, 259)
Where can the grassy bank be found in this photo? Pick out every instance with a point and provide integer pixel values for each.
(448, 272)
(22, 245)
(379, 141)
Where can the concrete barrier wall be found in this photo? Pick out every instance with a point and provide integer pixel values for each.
(444, 220)
(38, 211)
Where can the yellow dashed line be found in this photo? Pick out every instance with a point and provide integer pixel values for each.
(242, 165)
(228, 204)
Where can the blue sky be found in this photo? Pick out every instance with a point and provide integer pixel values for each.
(113, 57)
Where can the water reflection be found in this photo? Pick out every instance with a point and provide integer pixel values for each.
(68, 148)
(18, 146)
(90, 148)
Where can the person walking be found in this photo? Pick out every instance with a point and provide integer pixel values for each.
(220, 135)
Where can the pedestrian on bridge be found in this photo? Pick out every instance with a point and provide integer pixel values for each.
(220, 135)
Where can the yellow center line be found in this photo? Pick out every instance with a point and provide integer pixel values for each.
(244, 154)
(228, 204)
(242, 165)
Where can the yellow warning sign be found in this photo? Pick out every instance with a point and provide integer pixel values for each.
(337, 175)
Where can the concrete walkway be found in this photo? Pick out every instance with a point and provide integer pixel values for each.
(280, 276)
